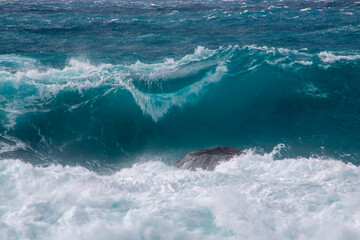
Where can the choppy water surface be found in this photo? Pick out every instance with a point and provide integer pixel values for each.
(88, 88)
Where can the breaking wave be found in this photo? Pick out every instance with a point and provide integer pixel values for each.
(251, 196)
(83, 100)
(155, 87)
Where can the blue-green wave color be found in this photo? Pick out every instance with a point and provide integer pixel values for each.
(100, 84)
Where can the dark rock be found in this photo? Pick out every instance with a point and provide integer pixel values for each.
(207, 159)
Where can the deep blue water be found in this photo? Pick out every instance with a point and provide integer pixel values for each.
(103, 83)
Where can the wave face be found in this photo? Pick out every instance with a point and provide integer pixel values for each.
(86, 112)
(104, 83)
(251, 196)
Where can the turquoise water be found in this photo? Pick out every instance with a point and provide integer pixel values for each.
(90, 88)
(105, 82)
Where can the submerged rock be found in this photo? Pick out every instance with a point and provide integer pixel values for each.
(207, 159)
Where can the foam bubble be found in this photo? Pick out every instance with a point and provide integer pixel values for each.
(250, 197)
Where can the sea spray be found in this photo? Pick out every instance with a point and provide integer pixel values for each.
(251, 196)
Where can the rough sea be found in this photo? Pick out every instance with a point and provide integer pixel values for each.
(99, 97)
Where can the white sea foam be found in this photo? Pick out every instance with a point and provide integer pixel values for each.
(171, 68)
(302, 62)
(10, 144)
(157, 105)
(329, 57)
(282, 51)
(249, 197)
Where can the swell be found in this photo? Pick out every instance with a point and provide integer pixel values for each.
(244, 96)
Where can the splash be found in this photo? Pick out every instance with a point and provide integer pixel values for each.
(252, 196)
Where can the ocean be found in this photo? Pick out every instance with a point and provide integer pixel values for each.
(99, 98)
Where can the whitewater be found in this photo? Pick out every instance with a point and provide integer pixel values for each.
(99, 98)
(252, 196)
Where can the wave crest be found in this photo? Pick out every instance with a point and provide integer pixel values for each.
(155, 87)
